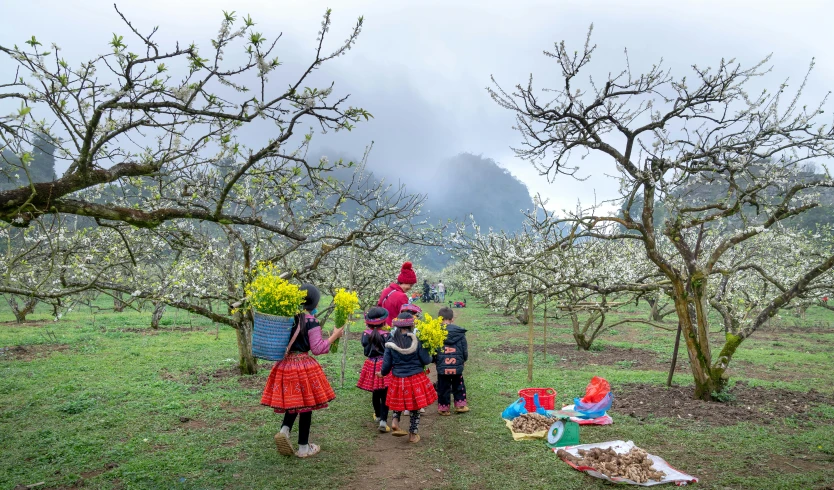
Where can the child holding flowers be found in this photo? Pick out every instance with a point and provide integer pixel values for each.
(373, 340)
(297, 384)
(408, 388)
(415, 311)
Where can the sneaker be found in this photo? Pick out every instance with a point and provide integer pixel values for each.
(444, 413)
(406, 412)
(383, 427)
(422, 410)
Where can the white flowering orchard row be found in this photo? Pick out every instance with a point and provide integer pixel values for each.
(713, 181)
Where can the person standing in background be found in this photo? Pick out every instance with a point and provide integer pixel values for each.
(395, 295)
(441, 291)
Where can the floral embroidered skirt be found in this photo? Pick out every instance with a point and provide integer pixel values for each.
(368, 380)
(297, 384)
(411, 393)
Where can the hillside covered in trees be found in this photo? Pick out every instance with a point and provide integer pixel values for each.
(39, 163)
(696, 193)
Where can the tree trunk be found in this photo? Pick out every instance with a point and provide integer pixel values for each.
(21, 313)
(523, 316)
(118, 304)
(158, 311)
(581, 342)
(692, 314)
(802, 310)
(247, 362)
(654, 315)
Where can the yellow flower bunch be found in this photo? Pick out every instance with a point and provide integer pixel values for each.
(431, 332)
(269, 293)
(346, 303)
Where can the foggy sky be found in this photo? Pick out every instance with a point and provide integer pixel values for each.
(421, 67)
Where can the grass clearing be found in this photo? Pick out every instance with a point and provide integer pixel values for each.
(113, 404)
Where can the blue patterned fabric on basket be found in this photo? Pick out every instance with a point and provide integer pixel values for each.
(271, 336)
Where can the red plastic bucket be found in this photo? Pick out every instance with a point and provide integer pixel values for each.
(547, 398)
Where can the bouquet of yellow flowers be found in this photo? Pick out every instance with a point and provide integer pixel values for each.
(269, 293)
(431, 332)
(346, 304)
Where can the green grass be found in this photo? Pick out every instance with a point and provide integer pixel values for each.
(140, 409)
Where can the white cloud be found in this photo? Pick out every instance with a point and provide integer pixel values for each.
(421, 66)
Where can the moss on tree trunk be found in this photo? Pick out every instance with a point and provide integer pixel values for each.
(246, 361)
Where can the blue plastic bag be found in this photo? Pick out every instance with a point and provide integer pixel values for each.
(514, 410)
(539, 409)
(594, 410)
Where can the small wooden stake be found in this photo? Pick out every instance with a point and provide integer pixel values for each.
(347, 324)
(344, 352)
(674, 356)
(545, 329)
(530, 336)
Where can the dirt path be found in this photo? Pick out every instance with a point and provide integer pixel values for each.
(388, 453)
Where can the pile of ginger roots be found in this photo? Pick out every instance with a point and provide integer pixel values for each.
(634, 465)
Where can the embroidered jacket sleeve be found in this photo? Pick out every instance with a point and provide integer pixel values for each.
(318, 345)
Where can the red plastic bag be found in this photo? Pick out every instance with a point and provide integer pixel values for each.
(596, 390)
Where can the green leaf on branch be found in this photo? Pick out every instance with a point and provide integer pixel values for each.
(23, 111)
(256, 38)
(117, 43)
(33, 42)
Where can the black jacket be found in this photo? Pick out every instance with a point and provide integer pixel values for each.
(405, 362)
(455, 352)
(371, 350)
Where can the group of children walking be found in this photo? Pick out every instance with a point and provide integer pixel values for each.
(395, 371)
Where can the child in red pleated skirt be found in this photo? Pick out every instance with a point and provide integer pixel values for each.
(297, 384)
(409, 388)
(373, 340)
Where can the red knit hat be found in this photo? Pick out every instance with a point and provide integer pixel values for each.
(407, 275)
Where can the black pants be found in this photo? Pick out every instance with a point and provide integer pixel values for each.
(303, 425)
(448, 384)
(380, 408)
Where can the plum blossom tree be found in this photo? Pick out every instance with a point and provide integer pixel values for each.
(148, 121)
(668, 137)
(588, 279)
(184, 171)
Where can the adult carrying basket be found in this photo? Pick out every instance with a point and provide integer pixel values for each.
(271, 336)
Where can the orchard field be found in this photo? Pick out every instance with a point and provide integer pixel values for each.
(107, 402)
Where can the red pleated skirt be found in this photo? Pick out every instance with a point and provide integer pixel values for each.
(297, 384)
(411, 393)
(368, 380)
